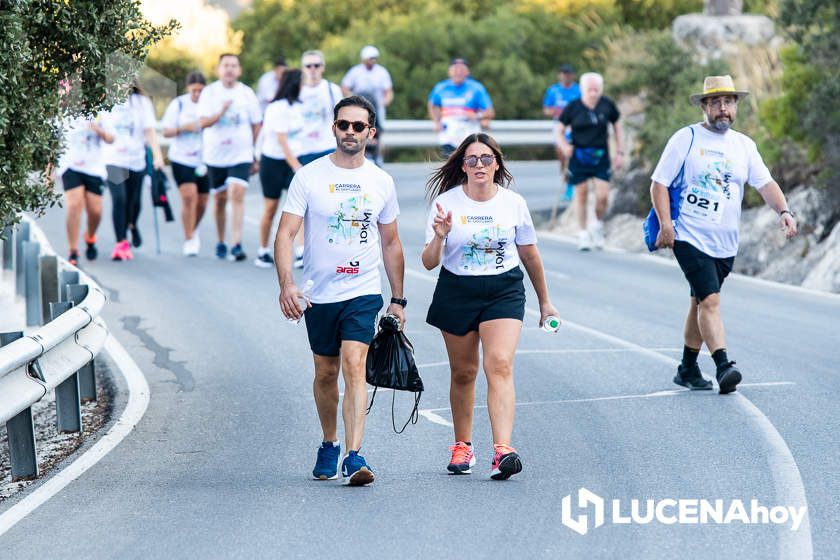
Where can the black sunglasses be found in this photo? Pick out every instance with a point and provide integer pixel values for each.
(358, 126)
(486, 159)
(313, 65)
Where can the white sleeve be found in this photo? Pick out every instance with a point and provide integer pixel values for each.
(254, 110)
(149, 118)
(386, 79)
(338, 95)
(347, 80)
(281, 116)
(758, 175)
(170, 117)
(296, 199)
(206, 103)
(525, 232)
(672, 157)
(392, 208)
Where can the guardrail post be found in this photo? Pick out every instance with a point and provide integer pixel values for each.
(31, 252)
(87, 373)
(21, 235)
(8, 245)
(68, 410)
(21, 432)
(65, 278)
(49, 285)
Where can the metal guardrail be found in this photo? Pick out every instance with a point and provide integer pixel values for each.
(420, 133)
(64, 304)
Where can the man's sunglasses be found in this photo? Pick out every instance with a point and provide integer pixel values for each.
(358, 126)
(313, 65)
(485, 159)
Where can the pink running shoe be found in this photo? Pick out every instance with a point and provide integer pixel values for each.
(506, 462)
(462, 459)
(122, 252)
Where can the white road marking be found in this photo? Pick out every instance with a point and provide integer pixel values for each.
(138, 401)
(787, 480)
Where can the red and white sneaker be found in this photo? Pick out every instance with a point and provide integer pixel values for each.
(122, 252)
(462, 459)
(506, 462)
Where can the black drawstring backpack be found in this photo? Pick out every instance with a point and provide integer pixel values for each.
(390, 364)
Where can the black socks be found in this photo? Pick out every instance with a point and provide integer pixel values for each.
(720, 358)
(689, 358)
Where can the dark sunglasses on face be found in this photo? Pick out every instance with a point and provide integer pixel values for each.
(486, 159)
(313, 65)
(358, 126)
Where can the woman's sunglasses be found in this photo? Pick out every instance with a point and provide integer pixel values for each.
(358, 126)
(485, 159)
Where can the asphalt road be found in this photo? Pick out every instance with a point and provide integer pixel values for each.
(219, 465)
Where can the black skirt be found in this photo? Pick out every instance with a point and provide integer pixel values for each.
(461, 303)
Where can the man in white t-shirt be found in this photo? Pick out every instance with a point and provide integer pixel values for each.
(373, 82)
(269, 82)
(697, 189)
(349, 206)
(230, 118)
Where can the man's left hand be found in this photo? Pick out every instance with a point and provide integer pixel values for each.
(787, 224)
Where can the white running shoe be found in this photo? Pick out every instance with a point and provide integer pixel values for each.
(598, 234)
(584, 243)
(191, 247)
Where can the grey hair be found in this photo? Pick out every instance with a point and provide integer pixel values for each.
(317, 53)
(593, 76)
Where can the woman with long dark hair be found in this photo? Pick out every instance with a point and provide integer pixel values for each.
(134, 124)
(479, 231)
(283, 124)
(180, 122)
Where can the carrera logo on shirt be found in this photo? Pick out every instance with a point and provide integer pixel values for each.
(476, 220)
(344, 187)
(711, 153)
(352, 268)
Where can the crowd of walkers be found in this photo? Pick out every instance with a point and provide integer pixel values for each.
(339, 219)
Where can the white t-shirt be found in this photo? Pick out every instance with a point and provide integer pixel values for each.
(129, 120)
(82, 148)
(342, 209)
(267, 88)
(375, 82)
(318, 104)
(484, 235)
(185, 148)
(230, 141)
(716, 171)
(282, 118)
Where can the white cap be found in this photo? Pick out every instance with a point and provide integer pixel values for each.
(369, 51)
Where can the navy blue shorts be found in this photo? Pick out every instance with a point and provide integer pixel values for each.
(275, 176)
(184, 174)
(580, 171)
(328, 324)
(219, 176)
(73, 179)
(705, 274)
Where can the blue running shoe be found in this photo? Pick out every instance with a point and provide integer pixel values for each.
(326, 465)
(355, 470)
(570, 192)
(221, 250)
(237, 254)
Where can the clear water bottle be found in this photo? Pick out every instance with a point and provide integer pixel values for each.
(303, 301)
(551, 324)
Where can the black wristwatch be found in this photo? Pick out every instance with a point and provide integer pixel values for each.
(400, 301)
(786, 211)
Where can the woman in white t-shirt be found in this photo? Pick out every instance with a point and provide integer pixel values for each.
(480, 231)
(180, 122)
(282, 131)
(134, 124)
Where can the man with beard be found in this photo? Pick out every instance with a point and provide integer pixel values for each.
(707, 166)
(349, 207)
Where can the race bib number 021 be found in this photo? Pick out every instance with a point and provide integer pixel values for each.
(704, 204)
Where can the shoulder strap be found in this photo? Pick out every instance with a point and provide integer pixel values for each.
(677, 182)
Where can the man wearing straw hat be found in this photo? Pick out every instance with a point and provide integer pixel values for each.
(707, 166)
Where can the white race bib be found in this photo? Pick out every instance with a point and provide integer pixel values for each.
(704, 204)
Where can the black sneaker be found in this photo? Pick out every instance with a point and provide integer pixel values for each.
(728, 378)
(91, 252)
(692, 378)
(264, 261)
(73, 258)
(237, 254)
(136, 240)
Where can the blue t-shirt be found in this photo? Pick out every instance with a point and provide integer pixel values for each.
(558, 96)
(459, 105)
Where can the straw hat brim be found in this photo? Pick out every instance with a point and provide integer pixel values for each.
(698, 97)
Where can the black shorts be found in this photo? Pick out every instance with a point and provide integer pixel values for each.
(219, 176)
(275, 176)
(578, 172)
(73, 179)
(328, 324)
(185, 174)
(461, 303)
(303, 159)
(705, 274)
